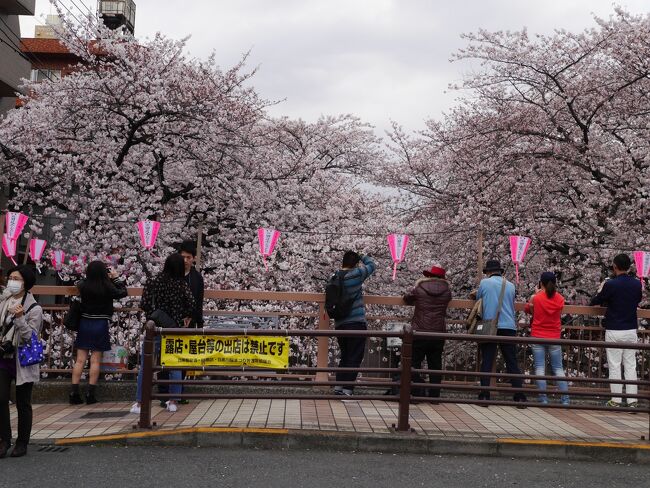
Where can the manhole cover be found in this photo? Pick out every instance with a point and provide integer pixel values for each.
(104, 415)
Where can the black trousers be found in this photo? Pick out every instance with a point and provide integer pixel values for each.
(352, 351)
(432, 350)
(23, 405)
(509, 352)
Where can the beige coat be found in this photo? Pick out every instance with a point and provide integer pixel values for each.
(23, 326)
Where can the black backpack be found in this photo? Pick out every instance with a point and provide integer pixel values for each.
(338, 302)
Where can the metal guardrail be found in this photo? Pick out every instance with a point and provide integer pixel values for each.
(405, 383)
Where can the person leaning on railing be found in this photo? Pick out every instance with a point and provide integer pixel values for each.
(20, 316)
(489, 291)
(431, 296)
(169, 294)
(97, 291)
(621, 295)
(546, 308)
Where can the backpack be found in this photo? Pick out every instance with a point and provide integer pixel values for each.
(338, 302)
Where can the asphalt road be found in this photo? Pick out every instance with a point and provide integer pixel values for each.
(161, 467)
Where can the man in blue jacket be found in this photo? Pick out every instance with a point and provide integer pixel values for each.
(489, 291)
(356, 270)
(621, 295)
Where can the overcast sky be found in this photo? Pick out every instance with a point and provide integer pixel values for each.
(379, 59)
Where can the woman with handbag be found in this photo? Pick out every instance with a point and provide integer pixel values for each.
(21, 317)
(546, 308)
(431, 296)
(97, 291)
(168, 301)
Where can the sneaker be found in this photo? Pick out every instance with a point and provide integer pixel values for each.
(633, 405)
(342, 393)
(612, 403)
(184, 401)
(135, 408)
(171, 407)
(566, 402)
(163, 403)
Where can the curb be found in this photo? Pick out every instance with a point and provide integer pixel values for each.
(398, 443)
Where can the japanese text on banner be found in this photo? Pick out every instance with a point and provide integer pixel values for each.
(259, 352)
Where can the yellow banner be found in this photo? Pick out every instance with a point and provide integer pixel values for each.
(258, 352)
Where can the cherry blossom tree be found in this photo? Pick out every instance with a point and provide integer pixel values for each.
(550, 141)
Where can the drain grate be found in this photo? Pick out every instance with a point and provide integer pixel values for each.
(53, 449)
(104, 415)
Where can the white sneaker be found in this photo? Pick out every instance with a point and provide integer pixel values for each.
(171, 407)
(135, 408)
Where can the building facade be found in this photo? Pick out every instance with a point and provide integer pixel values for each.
(14, 65)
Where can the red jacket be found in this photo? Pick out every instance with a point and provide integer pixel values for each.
(546, 315)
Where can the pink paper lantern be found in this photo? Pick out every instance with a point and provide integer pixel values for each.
(518, 248)
(397, 244)
(267, 238)
(14, 224)
(36, 249)
(58, 258)
(148, 230)
(642, 261)
(9, 247)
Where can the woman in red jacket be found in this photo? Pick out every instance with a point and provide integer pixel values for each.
(546, 307)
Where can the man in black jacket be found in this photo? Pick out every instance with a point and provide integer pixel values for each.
(621, 295)
(194, 280)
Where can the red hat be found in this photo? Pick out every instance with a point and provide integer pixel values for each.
(436, 272)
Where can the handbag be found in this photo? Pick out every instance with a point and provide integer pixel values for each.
(73, 317)
(489, 327)
(162, 318)
(32, 352)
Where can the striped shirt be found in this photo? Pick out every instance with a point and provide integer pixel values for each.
(353, 282)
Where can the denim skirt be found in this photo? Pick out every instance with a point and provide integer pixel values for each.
(93, 335)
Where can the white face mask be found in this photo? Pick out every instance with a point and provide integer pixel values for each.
(14, 286)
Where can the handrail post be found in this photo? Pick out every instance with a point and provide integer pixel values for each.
(405, 379)
(322, 351)
(147, 375)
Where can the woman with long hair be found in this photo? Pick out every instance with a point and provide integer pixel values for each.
(168, 292)
(546, 308)
(97, 291)
(20, 317)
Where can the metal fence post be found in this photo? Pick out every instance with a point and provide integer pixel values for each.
(322, 351)
(405, 379)
(147, 376)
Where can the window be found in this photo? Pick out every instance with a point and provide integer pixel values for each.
(39, 75)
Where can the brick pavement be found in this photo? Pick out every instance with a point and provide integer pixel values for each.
(58, 421)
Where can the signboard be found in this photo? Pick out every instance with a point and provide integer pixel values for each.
(240, 350)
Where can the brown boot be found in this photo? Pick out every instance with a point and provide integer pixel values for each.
(4, 447)
(19, 450)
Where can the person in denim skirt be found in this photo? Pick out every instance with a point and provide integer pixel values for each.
(546, 308)
(97, 291)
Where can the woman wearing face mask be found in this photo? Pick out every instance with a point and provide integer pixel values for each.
(20, 315)
(97, 290)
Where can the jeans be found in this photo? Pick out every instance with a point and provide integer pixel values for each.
(627, 357)
(23, 406)
(432, 350)
(174, 374)
(539, 358)
(509, 351)
(352, 351)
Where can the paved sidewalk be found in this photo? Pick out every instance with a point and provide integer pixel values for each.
(57, 421)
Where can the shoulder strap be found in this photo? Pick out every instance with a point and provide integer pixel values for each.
(495, 320)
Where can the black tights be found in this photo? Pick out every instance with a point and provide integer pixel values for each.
(23, 405)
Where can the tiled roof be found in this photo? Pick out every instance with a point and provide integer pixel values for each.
(43, 46)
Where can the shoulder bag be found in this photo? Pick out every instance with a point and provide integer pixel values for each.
(489, 327)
